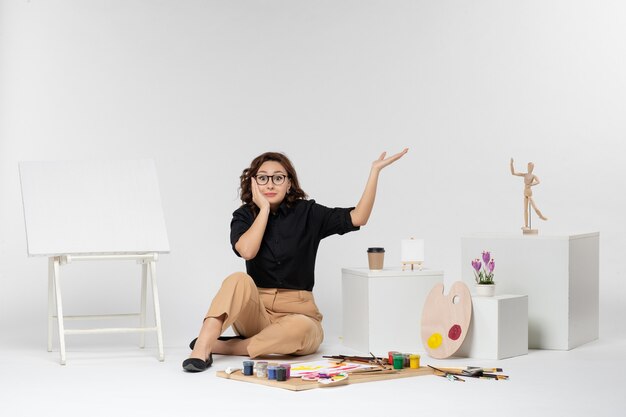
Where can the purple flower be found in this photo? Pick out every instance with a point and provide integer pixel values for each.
(476, 264)
(483, 271)
(486, 257)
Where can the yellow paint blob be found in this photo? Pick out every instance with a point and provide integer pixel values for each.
(434, 341)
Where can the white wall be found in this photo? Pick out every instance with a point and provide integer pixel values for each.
(204, 86)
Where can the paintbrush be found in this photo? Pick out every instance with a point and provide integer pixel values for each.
(373, 360)
(342, 358)
(474, 373)
(470, 368)
(463, 372)
(494, 376)
(373, 371)
(447, 375)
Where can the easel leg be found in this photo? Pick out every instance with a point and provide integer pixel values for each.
(157, 309)
(59, 305)
(51, 303)
(142, 313)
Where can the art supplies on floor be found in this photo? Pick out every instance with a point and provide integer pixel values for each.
(337, 370)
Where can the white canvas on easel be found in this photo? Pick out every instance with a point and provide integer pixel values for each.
(92, 207)
(94, 210)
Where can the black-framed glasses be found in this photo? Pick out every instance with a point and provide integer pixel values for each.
(277, 179)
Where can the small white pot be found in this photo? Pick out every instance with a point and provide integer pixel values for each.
(485, 290)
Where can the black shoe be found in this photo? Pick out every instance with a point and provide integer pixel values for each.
(197, 365)
(222, 338)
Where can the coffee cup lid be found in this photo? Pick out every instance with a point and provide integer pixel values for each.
(376, 250)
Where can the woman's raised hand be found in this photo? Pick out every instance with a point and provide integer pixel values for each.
(382, 162)
(361, 213)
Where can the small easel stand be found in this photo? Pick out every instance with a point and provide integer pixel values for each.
(529, 230)
(413, 263)
(148, 263)
(412, 253)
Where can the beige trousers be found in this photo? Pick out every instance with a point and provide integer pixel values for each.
(277, 321)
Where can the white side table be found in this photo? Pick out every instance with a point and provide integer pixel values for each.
(499, 328)
(558, 273)
(382, 310)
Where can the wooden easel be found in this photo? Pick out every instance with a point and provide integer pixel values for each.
(412, 253)
(95, 211)
(55, 303)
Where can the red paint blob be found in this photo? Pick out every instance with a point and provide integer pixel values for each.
(455, 332)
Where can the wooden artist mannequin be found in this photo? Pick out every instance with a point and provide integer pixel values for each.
(276, 231)
(530, 180)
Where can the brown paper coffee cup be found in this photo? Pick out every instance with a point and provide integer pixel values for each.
(376, 258)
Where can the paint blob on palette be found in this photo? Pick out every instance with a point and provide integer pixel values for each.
(446, 319)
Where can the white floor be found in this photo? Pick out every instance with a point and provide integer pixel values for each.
(122, 380)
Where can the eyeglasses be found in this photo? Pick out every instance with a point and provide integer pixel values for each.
(277, 179)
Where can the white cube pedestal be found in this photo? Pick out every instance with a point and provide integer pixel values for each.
(382, 310)
(558, 273)
(499, 328)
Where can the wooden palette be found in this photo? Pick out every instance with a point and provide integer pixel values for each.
(446, 319)
(297, 384)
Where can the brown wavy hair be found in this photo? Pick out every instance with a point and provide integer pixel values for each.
(295, 192)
